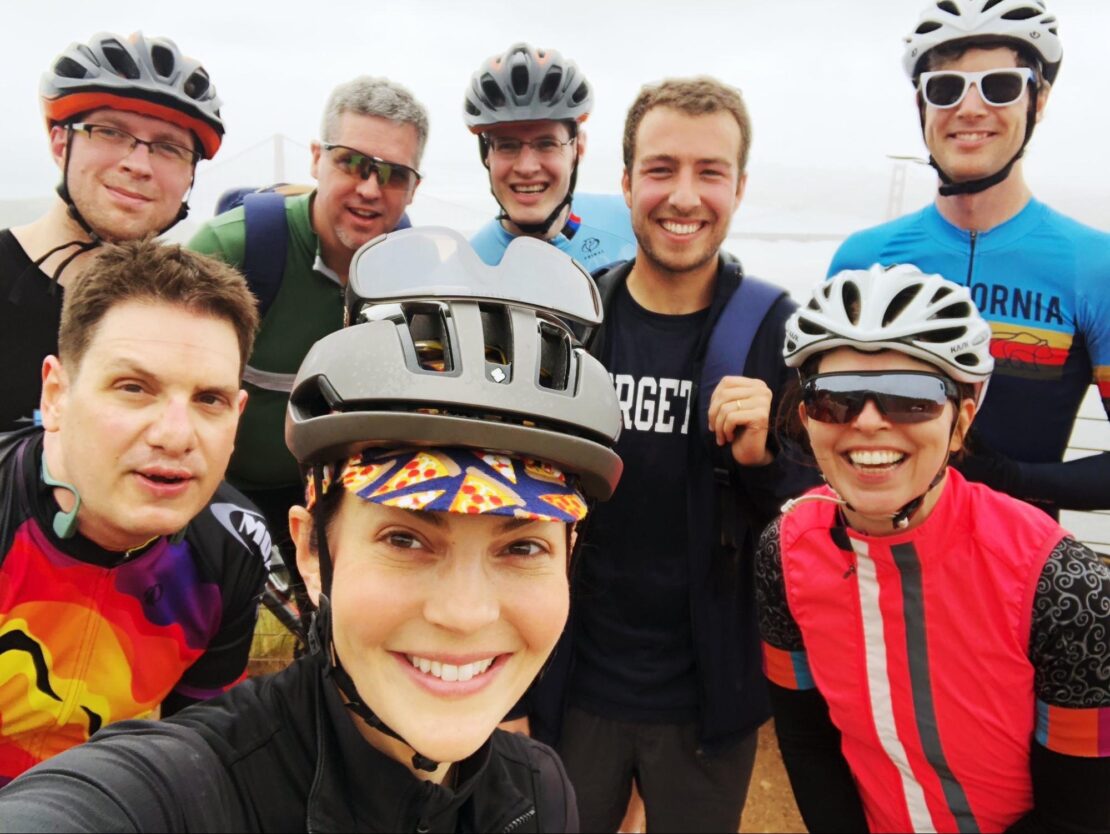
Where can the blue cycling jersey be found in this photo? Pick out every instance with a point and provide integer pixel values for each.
(600, 230)
(1042, 281)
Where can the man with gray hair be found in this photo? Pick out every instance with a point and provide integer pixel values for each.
(365, 165)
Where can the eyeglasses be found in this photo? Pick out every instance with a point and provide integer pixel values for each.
(391, 175)
(901, 396)
(112, 138)
(508, 148)
(998, 87)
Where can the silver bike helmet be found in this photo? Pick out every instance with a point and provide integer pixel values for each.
(896, 308)
(1026, 23)
(146, 76)
(444, 350)
(526, 84)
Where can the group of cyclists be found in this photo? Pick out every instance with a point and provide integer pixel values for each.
(627, 516)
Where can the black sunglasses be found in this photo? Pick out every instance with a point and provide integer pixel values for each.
(901, 396)
(391, 175)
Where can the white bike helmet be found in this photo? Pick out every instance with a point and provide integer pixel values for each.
(894, 308)
(1027, 23)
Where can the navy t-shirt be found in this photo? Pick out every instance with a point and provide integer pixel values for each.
(634, 657)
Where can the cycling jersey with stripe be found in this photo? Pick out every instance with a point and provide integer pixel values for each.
(942, 652)
(1042, 281)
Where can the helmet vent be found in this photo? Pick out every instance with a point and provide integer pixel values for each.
(947, 334)
(849, 296)
(900, 302)
(555, 356)
(518, 76)
(809, 328)
(1020, 14)
(68, 68)
(497, 333)
(162, 59)
(197, 85)
(949, 6)
(471, 109)
(492, 91)
(968, 360)
(550, 84)
(927, 27)
(941, 293)
(121, 61)
(581, 94)
(990, 4)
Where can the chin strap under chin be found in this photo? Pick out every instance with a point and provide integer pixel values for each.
(950, 187)
(320, 640)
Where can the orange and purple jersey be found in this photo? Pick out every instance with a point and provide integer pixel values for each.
(89, 637)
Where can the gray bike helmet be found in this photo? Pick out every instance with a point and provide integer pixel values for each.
(525, 85)
(1025, 23)
(150, 77)
(444, 350)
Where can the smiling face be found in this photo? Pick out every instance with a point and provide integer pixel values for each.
(347, 210)
(143, 427)
(124, 196)
(974, 139)
(442, 620)
(878, 466)
(683, 186)
(530, 184)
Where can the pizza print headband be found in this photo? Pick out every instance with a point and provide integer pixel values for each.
(459, 481)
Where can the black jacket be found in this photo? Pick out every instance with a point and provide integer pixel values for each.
(280, 753)
(731, 688)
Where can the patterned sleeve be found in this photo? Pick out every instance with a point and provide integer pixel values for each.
(784, 657)
(1070, 650)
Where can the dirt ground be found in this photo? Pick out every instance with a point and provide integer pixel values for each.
(770, 805)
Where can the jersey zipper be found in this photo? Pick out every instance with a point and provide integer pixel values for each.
(971, 257)
(519, 821)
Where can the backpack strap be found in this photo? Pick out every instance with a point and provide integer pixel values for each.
(733, 334)
(267, 240)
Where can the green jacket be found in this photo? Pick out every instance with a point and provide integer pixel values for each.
(308, 306)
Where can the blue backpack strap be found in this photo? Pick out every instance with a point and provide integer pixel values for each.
(732, 336)
(267, 239)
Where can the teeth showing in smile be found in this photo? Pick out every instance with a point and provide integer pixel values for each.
(529, 189)
(680, 228)
(875, 457)
(447, 672)
(366, 213)
(971, 137)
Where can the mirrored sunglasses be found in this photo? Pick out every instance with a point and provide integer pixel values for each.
(901, 396)
(997, 87)
(391, 175)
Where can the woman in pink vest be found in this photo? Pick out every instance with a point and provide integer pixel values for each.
(938, 653)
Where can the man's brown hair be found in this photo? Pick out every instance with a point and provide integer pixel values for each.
(147, 271)
(700, 96)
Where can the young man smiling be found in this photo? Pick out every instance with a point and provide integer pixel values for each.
(130, 577)
(527, 108)
(983, 70)
(365, 164)
(665, 688)
(128, 120)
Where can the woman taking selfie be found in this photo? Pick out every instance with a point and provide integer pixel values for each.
(938, 653)
(450, 445)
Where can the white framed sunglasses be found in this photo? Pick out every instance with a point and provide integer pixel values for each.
(944, 89)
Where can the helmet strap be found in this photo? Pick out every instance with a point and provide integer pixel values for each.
(951, 188)
(320, 637)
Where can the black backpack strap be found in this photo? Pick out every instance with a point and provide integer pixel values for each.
(267, 240)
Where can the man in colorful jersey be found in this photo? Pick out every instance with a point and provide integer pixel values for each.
(129, 577)
(983, 72)
(372, 138)
(128, 118)
(527, 107)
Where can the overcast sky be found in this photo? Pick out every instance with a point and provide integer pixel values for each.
(823, 81)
